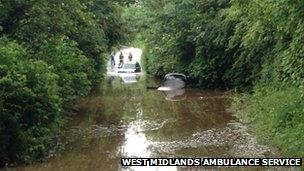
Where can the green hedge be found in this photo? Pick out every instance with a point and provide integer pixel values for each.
(51, 53)
(74, 69)
(30, 104)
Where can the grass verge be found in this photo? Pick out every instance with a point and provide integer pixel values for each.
(276, 115)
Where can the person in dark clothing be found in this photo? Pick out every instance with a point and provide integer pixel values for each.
(130, 56)
(121, 59)
(112, 60)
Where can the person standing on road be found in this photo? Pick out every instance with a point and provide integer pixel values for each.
(112, 60)
(130, 56)
(121, 59)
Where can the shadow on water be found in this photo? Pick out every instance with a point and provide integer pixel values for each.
(128, 120)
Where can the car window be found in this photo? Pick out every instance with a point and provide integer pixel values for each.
(171, 77)
(180, 77)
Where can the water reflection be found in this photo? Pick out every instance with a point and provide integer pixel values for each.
(125, 120)
(136, 143)
(130, 78)
(176, 95)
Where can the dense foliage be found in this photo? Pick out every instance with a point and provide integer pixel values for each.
(221, 43)
(30, 103)
(245, 44)
(51, 52)
(187, 36)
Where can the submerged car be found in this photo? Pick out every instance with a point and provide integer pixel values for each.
(130, 67)
(173, 81)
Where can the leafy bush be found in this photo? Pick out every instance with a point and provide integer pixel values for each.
(187, 36)
(95, 26)
(65, 42)
(222, 43)
(30, 104)
(75, 71)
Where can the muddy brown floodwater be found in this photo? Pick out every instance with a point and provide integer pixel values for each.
(130, 120)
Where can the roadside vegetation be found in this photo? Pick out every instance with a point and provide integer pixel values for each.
(253, 46)
(51, 53)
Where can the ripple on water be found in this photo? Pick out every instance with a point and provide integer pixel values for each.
(234, 139)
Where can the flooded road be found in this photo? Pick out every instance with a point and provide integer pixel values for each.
(129, 120)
